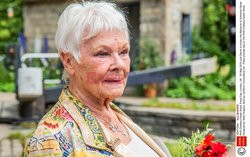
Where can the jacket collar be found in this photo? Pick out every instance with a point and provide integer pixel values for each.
(90, 128)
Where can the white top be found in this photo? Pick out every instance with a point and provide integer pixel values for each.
(135, 148)
(139, 147)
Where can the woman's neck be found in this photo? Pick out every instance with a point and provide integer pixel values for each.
(100, 106)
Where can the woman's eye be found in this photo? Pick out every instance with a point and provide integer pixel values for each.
(102, 54)
(124, 52)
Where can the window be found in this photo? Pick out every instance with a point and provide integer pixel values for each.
(186, 40)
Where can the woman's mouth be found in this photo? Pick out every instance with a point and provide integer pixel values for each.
(113, 81)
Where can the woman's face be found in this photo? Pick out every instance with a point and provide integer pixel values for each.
(104, 65)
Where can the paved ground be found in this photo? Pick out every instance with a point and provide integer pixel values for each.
(9, 110)
(8, 105)
(5, 130)
(10, 148)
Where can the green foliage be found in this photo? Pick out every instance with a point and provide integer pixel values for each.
(215, 22)
(52, 71)
(149, 55)
(7, 87)
(186, 146)
(190, 106)
(29, 125)
(10, 27)
(219, 85)
(210, 48)
(211, 40)
(212, 86)
(6, 79)
(20, 136)
(16, 135)
(6, 76)
(172, 148)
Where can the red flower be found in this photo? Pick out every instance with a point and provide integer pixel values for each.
(204, 146)
(218, 149)
(210, 148)
(209, 138)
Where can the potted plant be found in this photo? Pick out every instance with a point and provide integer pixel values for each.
(148, 57)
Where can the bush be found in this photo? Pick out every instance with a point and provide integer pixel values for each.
(201, 45)
(10, 27)
(149, 55)
(6, 79)
(212, 86)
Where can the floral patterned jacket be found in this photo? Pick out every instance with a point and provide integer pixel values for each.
(59, 134)
(70, 130)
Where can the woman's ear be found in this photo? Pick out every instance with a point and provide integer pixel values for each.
(68, 62)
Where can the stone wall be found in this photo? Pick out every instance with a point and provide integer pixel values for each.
(41, 16)
(173, 123)
(152, 21)
(174, 11)
(159, 19)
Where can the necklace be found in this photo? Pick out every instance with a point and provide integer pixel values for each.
(113, 127)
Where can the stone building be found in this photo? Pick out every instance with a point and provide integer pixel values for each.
(168, 22)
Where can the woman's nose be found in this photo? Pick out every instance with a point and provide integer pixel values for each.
(117, 63)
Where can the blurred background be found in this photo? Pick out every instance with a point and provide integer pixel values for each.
(182, 67)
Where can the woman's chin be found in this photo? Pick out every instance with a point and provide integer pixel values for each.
(113, 93)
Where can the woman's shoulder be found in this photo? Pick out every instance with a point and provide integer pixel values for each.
(57, 122)
(56, 119)
(53, 131)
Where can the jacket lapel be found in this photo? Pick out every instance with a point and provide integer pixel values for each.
(90, 128)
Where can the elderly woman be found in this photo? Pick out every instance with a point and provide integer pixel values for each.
(93, 41)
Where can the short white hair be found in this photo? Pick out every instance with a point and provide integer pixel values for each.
(81, 21)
